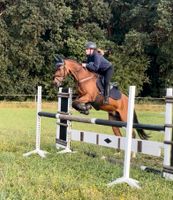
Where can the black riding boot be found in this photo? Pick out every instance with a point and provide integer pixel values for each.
(106, 95)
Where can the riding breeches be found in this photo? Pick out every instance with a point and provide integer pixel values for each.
(107, 78)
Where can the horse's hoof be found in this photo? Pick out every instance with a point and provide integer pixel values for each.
(85, 112)
(79, 106)
(88, 106)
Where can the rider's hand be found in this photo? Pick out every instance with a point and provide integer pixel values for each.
(83, 64)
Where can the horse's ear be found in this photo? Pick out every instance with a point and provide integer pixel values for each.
(58, 61)
(58, 58)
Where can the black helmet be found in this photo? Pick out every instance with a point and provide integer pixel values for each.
(90, 45)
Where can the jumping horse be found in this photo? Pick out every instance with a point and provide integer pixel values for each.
(88, 94)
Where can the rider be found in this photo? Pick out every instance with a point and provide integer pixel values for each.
(97, 63)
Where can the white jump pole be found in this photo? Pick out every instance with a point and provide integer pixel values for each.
(38, 128)
(168, 134)
(126, 173)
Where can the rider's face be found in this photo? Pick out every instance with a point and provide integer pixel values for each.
(89, 51)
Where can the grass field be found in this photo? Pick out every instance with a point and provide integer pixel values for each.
(71, 176)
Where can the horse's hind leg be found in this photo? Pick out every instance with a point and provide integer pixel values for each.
(123, 117)
(116, 130)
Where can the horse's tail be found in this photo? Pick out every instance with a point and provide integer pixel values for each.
(140, 132)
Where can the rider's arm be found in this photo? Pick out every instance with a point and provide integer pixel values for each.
(95, 64)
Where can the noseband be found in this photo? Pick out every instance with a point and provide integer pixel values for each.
(63, 76)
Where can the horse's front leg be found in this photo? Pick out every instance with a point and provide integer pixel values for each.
(82, 105)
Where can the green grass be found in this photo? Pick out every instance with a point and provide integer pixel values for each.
(70, 176)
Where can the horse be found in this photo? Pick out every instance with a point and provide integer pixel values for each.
(88, 94)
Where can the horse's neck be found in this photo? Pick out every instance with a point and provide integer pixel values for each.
(78, 72)
(85, 81)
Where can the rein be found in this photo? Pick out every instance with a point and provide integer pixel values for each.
(86, 79)
(76, 73)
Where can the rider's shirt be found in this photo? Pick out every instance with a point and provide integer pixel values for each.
(97, 63)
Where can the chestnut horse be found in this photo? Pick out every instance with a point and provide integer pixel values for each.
(88, 93)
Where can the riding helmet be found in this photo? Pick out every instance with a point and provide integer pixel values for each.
(90, 45)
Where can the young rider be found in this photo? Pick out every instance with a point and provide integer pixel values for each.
(97, 63)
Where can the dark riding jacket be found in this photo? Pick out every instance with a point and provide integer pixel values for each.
(97, 63)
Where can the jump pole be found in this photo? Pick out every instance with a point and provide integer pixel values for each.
(37, 150)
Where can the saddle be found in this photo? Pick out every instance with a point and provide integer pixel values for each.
(114, 91)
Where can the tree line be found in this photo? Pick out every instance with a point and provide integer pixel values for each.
(137, 36)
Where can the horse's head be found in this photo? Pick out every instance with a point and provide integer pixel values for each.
(60, 72)
(70, 67)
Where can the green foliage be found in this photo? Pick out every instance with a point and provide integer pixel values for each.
(33, 40)
(129, 70)
(137, 33)
(164, 26)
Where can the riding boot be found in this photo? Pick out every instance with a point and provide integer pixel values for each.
(106, 95)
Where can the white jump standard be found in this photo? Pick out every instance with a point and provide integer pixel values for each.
(37, 150)
(126, 172)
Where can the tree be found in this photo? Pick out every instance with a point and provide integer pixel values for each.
(130, 62)
(34, 36)
(138, 35)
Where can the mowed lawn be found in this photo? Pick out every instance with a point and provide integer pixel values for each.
(71, 176)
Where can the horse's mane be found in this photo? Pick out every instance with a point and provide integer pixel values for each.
(73, 60)
(80, 65)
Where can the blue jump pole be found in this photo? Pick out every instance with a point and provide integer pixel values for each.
(101, 121)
